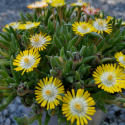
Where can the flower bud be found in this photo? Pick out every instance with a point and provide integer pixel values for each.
(53, 112)
(22, 89)
(36, 108)
(76, 58)
(120, 102)
(56, 72)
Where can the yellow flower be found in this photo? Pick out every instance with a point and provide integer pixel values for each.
(80, 3)
(78, 106)
(82, 28)
(48, 92)
(58, 3)
(14, 25)
(102, 25)
(109, 77)
(27, 60)
(39, 41)
(29, 25)
(123, 22)
(37, 4)
(120, 58)
(109, 18)
(49, 1)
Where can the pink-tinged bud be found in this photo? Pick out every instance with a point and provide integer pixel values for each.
(90, 10)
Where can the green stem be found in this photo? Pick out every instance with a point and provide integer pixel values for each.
(121, 94)
(31, 91)
(5, 88)
(87, 18)
(60, 10)
(90, 85)
(4, 47)
(54, 18)
(41, 73)
(39, 120)
(98, 41)
(95, 40)
(108, 101)
(78, 14)
(74, 66)
(79, 40)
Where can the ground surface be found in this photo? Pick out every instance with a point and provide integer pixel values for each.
(9, 12)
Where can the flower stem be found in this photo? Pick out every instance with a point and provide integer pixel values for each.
(78, 14)
(31, 91)
(98, 41)
(60, 10)
(79, 40)
(121, 94)
(39, 120)
(87, 18)
(54, 18)
(90, 85)
(74, 66)
(5, 88)
(4, 47)
(108, 101)
(41, 73)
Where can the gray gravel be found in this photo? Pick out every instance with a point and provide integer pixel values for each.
(9, 12)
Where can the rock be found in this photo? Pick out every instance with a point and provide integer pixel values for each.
(119, 120)
(113, 123)
(12, 119)
(122, 117)
(20, 107)
(111, 112)
(7, 122)
(2, 119)
(5, 112)
(115, 108)
(17, 100)
(12, 108)
(122, 123)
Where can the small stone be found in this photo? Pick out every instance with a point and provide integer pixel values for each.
(119, 120)
(12, 119)
(5, 112)
(115, 108)
(111, 112)
(2, 119)
(113, 123)
(122, 117)
(12, 108)
(17, 100)
(20, 107)
(7, 122)
(122, 123)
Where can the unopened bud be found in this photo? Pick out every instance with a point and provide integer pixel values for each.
(36, 108)
(22, 89)
(120, 102)
(56, 72)
(77, 58)
(53, 112)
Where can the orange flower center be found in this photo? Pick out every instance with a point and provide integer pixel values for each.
(84, 26)
(78, 107)
(36, 39)
(110, 77)
(101, 22)
(48, 92)
(26, 60)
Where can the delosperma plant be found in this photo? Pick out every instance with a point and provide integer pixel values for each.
(65, 60)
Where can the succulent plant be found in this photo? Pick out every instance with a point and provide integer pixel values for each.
(55, 57)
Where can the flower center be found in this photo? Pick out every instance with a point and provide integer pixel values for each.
(36, 39)
(48, 92)
(110, 77)
(84, 26)
(100, 22)
(26, 60)
(78, 107)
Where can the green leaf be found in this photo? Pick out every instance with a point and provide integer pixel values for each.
(4, 74)
(57, 42)
(70, 55)
(92, 17)
(96, 35)
(69, 79)
(47, 119)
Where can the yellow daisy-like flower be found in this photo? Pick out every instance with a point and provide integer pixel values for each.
(101, 25)
(109, 18)
(109, 77)
(27, 60)
(29, 25)
(120, 58)
(48, 92)
(82, 28)
(80, 3)
(58, 3)
(14, 25)
(78, 106)
(37, 4)
(39, 41)
(49, 1)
